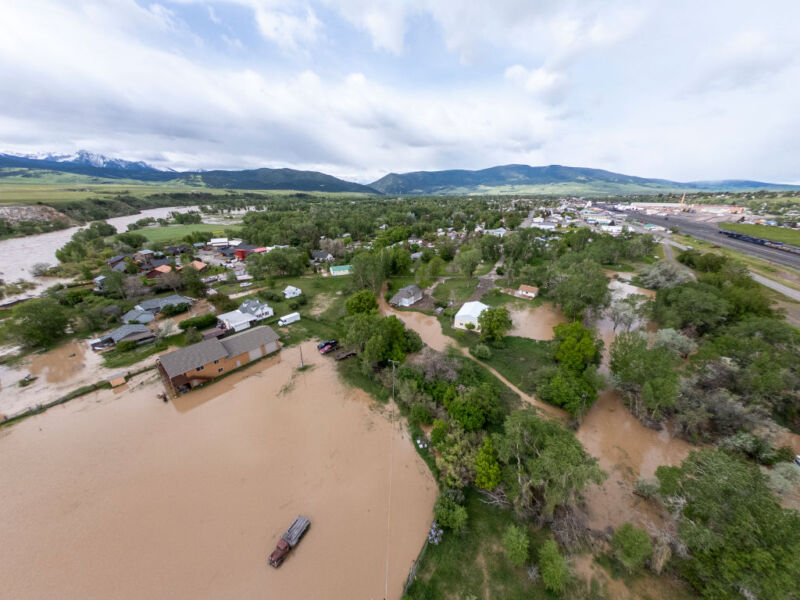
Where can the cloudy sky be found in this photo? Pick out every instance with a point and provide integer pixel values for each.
(678, 89)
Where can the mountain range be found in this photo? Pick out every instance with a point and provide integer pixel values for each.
(520, 179)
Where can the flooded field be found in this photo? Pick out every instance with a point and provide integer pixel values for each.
(121, 495)
(535, 322)
(58, 372)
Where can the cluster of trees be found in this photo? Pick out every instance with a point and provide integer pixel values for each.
(742, 367)
(740, 542)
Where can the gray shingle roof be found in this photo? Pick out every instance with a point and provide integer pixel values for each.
(188, 358)
(157, 304)
(121, 333)
(249, 340)
(140, 316)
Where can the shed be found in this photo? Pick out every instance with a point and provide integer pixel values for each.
(341, 270)
(291, 292)
(411, 294)
(527, 291)
(235, 320)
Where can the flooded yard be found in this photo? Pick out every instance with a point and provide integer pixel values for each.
(534, 322)
(121, 495)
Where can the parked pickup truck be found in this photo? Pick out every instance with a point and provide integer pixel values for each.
(288, 541)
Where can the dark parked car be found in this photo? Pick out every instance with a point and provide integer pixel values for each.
(329, 347)
(321, 345)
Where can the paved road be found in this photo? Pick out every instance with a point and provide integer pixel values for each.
(709, 233)
(778, 287)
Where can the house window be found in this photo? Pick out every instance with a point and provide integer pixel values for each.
(220, 370)
(200, 368)
(216, 362)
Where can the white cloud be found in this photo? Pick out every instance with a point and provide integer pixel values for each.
(605, 84)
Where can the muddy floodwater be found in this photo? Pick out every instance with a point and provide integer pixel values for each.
(118, 495)
(535, 322)
(626, 450)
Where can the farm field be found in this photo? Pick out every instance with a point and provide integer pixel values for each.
(775, 234)
(178, 232)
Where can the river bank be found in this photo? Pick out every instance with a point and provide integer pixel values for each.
(117, 494)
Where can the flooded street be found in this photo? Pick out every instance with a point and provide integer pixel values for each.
(534, 322)
(21, 254)
(122, 496)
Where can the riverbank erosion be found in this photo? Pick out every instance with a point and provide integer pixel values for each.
(118, 495)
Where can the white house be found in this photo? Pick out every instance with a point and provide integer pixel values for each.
(468, 315)
(260, 310)
(407, 296)
(236, 320)
(527, 291)
(499, 232)
(291, 292)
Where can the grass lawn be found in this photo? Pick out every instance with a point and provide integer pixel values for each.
(518, 357)
(474, 563)
(460, 287)
(175, 233)
(114, 359)
(766, 232)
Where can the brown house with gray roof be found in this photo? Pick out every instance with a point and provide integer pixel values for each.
(203, 362)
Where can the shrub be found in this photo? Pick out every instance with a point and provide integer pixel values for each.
(439, 432)
(553, 567)
(450, 514)
(646, 488)
(482, 351)
(516, 543)
(174, 309)
(470, 326)
(270, 296)
(420, 414)
(631, 546)
(126, 346)
(201, 322)
(193, 336)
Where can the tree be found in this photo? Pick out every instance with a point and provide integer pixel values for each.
(467, 261)
(192, 335)
(577, 286)
(545, 466)
(741, 542)
(553, 567)
(487, 469)
(647, 376)
(516, 542)
(576, 347)
(363, 302)
(39, 322)
(491, 248)
(435, 266)
(663, 274)
(495, 323)
(132, 287)
(191, 281)
(681, 344)
(631, 546)
(368, 271)
(171, 280)
(572, 391)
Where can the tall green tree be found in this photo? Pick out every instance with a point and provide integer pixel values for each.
(363, 302)
(487, 469)
(516, 542)
(553, 567)
(39, 322)
(494, 323)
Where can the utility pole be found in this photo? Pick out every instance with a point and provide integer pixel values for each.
(394, 364)
(301, 356)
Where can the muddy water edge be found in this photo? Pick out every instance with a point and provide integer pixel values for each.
(120, 495)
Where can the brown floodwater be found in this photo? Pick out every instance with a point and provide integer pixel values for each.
(535, 322)
(61, 364)
(626, 450)
(121, 495)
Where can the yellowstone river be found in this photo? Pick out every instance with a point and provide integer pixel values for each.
(118, 495)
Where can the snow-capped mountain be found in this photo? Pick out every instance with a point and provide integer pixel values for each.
(91, 159)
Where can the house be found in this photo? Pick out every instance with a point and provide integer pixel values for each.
(99, 282)
(291, 292)
(341, 270)
(203, 362)
(127, 333)
(115, 260)
(242, 250)
(158, 271)
(235, 320)
(411, 294)
(137, 316)
(196, 265)
(499, 232)
(318, 256)
(527, 291)
(416, 255)
(467, 315)
(260, 310)
(156, 305)
(218, 242)
(176, 250)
